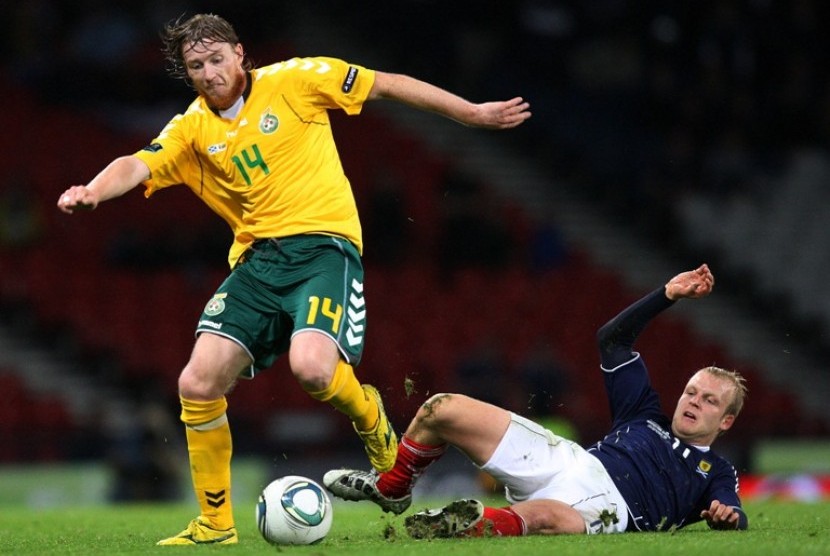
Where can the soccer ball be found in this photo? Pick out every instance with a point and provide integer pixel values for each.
(294, 510)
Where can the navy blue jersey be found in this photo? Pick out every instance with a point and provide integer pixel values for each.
(665, 482)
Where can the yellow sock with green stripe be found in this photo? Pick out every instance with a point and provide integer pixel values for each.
(210, 448)
(346, 395)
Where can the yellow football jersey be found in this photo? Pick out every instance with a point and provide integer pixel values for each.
(273, 170)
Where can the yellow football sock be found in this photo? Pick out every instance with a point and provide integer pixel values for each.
(345, 394)
(210, 448)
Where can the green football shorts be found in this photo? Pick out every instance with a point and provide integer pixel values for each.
(287, 285)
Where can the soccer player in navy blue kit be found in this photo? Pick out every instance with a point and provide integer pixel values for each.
(650, 473)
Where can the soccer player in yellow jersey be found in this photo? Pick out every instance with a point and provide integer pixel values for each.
(256, 147)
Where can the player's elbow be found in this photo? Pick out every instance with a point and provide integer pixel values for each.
(604, 337)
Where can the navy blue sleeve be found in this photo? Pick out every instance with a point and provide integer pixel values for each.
(743, 521)
(630, 394)
(616, 337)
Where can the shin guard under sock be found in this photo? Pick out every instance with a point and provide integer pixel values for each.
(346, 395)
(499, 522)
(412, 460)
(210, 448)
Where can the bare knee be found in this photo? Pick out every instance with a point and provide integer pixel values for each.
(474, 427)
(313, 373)
(435, 411)
(442, 415)
(197, 383)
(213, 368)
(313, 358)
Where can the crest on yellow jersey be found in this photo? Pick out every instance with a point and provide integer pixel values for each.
(268, 122)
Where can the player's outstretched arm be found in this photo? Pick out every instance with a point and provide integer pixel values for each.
(691, 284)
(424, 96)
(120, 176)
(616, 338)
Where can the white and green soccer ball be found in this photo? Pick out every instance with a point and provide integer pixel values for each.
(294, 510)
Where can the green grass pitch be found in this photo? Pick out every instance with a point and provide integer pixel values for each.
(776, 527)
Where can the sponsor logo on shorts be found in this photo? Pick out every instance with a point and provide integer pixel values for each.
(210, 324)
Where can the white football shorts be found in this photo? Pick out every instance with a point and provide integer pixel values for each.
(534, 463)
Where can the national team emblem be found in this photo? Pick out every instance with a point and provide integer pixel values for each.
(704, 467)
(216, 305)
(268, 123)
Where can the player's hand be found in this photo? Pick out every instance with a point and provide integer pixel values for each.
(721, 516)
(691, 284)
(77, 197)
(501, 115)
